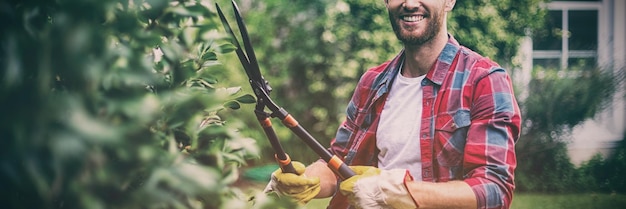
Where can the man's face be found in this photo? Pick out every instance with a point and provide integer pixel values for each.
(416, 22)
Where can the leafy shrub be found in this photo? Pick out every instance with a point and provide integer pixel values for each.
(112, 104)
(605, 175)
(558, 101)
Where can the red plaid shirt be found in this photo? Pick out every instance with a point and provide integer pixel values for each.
(470, 123)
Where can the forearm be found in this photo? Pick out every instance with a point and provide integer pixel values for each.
(328, 180)
(453, 194)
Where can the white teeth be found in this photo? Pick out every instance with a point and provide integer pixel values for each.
(412, 18)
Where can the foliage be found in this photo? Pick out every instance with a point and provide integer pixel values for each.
(495, 28)
(117, 104)
(555, 173)
(560, 100)
(113, 104)
(605, 175)
(568, 98)
(312, 52)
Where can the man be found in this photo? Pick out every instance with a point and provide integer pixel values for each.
(433, 128)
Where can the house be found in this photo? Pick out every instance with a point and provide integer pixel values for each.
(592, 33)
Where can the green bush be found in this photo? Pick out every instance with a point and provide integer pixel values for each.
(113, 104)
(605, 175)
(558, 101)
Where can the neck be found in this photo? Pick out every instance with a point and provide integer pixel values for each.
(419, 59)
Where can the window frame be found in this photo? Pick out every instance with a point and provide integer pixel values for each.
(565, 54)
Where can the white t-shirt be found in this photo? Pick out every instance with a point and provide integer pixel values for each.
(398, 137)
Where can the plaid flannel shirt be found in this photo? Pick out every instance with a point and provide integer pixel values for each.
(470, 123)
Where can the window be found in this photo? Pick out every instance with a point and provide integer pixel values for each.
(570, 37)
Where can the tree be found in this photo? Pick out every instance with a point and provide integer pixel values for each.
(495, 28)
(114, 104)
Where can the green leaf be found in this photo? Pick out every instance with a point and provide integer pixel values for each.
(210, 63)
(210, 80)
(232, 105)
(229, 91)
(246, 99)
(226, 48)
(209, 56)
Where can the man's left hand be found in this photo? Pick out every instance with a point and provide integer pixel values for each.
(372, 188)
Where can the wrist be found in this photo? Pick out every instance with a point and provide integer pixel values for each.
(328, 180)
(409, 185)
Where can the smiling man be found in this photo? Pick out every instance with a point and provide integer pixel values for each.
(435, 127)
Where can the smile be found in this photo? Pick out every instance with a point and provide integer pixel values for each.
(416, 18)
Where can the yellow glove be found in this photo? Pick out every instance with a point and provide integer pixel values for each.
(372, 188)
(298, 186)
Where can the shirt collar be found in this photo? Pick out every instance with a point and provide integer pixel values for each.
(382, 84)
(439, 70)
(436, 74)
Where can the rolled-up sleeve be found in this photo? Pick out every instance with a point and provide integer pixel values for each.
(339, 144)
(489, 155)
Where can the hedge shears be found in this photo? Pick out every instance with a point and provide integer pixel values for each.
(262, 90)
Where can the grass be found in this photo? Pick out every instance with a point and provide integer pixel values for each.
(544, 201)
(520, 200)
(569, 201)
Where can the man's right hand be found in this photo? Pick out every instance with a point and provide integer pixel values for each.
(297, 186)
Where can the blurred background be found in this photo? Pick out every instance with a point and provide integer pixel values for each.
(141, 103)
